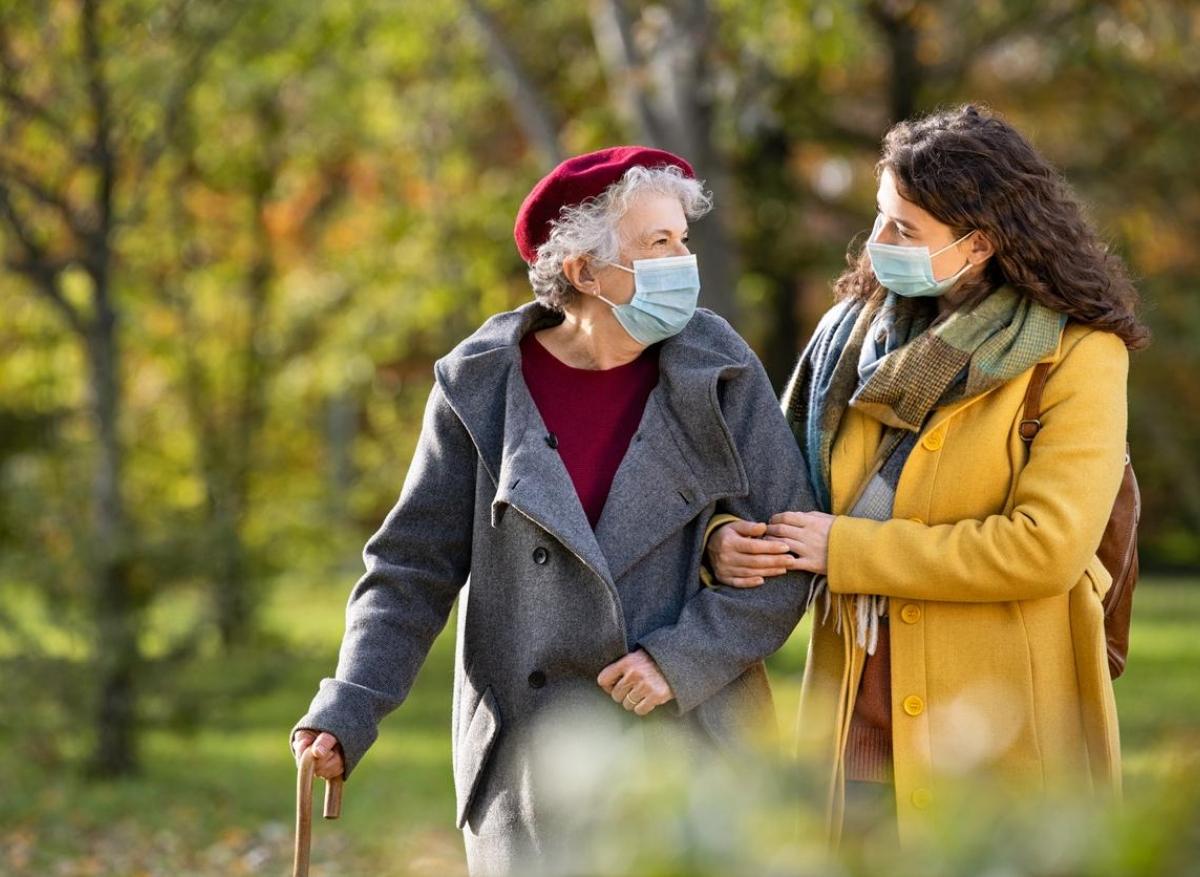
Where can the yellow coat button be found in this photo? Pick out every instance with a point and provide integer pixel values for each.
(933, 441)
(911, 613)
(917, 521)
(922, 798)
(913, 705)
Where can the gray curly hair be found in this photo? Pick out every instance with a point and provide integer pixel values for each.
(590, 228)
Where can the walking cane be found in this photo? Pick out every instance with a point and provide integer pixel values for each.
(333, 809)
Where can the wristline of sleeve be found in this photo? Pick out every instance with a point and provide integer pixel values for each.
(706, 575)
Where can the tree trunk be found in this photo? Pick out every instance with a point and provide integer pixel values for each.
(235, 602)
(115, 605)
(666, 94)
(895, 20)
(341, 427)
(527, 102)
(118, 607)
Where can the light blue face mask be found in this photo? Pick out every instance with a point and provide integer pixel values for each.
(665, 294)
(908, 271)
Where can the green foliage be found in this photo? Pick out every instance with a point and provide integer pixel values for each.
(219, 799)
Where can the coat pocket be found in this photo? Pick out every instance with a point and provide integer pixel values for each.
(1100, 577)
(474, 750)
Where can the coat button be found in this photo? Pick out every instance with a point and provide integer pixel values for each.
(911, 613)
(933, 441)
(537, 679)
(552, 440)
(541, 556)
(913, 705)
(918, 521)
(922, 798)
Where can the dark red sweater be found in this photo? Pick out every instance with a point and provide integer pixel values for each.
(591, 414)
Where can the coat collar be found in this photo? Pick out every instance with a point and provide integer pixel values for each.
(683, 446)
(1056, 354)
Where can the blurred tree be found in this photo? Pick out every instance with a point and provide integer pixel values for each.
(660, 78)
(31, 200)
(74, 119)
(226, 388)
(237, 235)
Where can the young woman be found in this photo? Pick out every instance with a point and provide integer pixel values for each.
(959, 632)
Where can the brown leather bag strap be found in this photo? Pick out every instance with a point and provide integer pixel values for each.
(1031, 423)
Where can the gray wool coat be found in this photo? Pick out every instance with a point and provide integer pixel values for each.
(549, 602)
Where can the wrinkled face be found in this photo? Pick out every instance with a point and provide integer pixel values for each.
(907, 225)
(654, 226)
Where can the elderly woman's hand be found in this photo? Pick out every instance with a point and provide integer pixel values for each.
(806, 535)
(328, 763)
(738, 556)
(636, 683)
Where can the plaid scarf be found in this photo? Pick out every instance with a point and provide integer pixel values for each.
(889, 360)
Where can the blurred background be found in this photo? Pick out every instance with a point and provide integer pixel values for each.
(235, 236)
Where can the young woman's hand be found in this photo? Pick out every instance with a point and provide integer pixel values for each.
(738, 555)
(806, 535)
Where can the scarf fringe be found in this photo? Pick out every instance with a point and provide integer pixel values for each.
(868, 610)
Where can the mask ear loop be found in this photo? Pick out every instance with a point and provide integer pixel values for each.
(615, 265)
(963, 270)
(954, 243)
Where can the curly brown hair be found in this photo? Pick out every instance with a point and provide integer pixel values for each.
(973, 171)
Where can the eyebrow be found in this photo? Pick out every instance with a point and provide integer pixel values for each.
(664, 231)
(907, 225)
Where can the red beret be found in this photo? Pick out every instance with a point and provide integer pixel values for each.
(576, 180)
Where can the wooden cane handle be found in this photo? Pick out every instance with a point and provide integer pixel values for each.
(333, 809)
(333, 798)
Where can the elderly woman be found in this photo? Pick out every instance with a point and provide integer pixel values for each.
(573, 453)
(961, 639)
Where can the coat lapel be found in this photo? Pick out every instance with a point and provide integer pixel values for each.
(533, 479)
(482, 381)
(653, 494)
(680, 459)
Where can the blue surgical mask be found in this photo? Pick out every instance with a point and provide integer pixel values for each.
(665, 294)
(908, 271)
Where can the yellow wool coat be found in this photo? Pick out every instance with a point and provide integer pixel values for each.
(997, 637)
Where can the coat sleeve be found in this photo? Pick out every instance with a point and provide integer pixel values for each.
(1062, 501)
(723, 630)
(415, 566)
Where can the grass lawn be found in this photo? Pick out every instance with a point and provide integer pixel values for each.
(220, 799)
